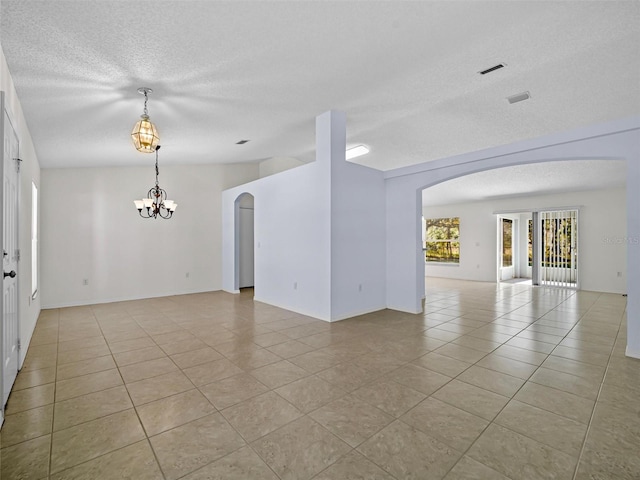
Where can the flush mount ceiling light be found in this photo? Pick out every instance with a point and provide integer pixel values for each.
(356, 151)
(156, 204)
(145, 135)
(519, 97)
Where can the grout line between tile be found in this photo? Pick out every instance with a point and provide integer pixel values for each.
(595, 405)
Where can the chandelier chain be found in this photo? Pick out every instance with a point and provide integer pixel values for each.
(157, 170)
(146, 99)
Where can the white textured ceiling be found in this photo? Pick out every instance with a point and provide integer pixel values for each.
(405, 73)
(527, 180)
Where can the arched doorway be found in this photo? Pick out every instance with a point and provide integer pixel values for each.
(460, 217)
(405, 255)
(523, 199)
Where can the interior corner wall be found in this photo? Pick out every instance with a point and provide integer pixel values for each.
(274, 165)
(292, 228)
(405, 258)
(91, 231)
(319, 235)
(358, 240)
(29, 309)
(602, 229)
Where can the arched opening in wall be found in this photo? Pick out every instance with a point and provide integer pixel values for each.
(245, 252)
(482, 226)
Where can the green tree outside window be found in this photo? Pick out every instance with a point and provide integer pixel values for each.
(442, 243)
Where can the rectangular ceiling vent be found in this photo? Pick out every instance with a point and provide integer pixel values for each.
(519, 97)
(492, 69)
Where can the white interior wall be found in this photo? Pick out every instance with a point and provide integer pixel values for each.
(292, 240)
(320, 238)
(91, 230)
(602, 219)
(29, 309)
(358, 241)
(358, 237)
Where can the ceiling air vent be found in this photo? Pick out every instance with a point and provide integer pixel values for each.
(492, 69)
(519, 97)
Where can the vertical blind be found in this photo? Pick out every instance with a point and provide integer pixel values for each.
(559, 255)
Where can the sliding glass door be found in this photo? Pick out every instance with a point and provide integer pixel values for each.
(558, 248)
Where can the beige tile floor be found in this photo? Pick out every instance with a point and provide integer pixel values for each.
(492, 382)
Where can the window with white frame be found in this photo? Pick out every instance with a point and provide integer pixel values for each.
(442, 240)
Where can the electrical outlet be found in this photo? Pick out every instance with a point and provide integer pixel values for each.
(186, 275)
(360, 287)
(85, 281)
(295, 285)
(619, 274)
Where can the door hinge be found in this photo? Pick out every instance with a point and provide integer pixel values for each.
(18, 162)
(19, 344)
(17, 254)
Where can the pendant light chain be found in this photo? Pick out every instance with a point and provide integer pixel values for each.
(157, 169)
(146, 112)
(156, 204)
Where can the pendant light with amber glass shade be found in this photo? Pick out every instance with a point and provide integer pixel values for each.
(145, 135)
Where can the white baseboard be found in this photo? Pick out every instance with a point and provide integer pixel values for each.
(99, 301)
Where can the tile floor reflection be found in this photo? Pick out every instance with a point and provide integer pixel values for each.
(491, 382)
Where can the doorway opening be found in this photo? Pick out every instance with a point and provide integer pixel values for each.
(508, 243)
(540, 247)
(245, 259)
(513, 248)
(558, 246)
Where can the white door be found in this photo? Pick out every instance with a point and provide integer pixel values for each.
(10, 332)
